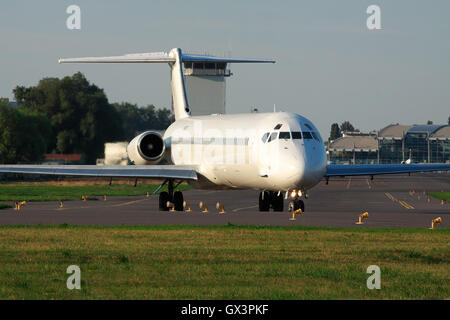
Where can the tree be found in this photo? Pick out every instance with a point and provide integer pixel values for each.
(335, 132)
(23, 135)
(448, 120)
(136, 120)
(429, 122)
(81, 117)
(346, 126)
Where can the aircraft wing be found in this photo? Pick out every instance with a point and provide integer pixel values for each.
(183, 172)
(376, 169)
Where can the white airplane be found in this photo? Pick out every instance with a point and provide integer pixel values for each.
(281, 154)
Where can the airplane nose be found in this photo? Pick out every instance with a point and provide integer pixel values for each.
(295, 170)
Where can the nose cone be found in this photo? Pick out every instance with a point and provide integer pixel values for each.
(294, 168)
(304, 169)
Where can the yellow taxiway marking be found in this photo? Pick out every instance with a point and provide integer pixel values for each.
(401, 202)
(114, 205)
(406, 205)
(238, 209)
(127, 203)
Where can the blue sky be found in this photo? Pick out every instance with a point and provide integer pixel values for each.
(330, 67)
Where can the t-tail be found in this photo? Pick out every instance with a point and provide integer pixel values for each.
(175, 59)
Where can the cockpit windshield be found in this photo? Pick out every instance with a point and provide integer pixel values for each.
(286, 135)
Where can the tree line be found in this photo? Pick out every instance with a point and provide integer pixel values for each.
(69, 115)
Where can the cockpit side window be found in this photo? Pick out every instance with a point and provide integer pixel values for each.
(285, 135)
(307, 135)
(296, 135)
(278, 126)
(264, 137)
(273, 136)
(315, 135)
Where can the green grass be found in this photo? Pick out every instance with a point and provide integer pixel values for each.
(223, 262)
(441, 195)
(55, 192)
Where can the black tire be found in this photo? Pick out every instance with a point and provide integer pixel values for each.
(163, 198)
(178, 200)
(277, 202)
(264, 203)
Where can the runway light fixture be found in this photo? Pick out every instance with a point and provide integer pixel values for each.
(435, 221)
(186, 206)
(171, 205)
(203, 206)
(221, 207)
(364, 215)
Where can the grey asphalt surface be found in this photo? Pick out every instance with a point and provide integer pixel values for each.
(338, 204)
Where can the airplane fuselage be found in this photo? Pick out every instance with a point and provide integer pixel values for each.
(272, 151)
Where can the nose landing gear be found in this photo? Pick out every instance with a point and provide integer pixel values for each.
(296, 204)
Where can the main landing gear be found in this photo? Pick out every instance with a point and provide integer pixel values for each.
(274, 200)
(174, 197)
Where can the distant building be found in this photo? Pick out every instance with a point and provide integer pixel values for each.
(55, 158)
(394, 144)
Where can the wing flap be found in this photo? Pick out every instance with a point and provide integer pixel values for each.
(156, 171)
(377, 169)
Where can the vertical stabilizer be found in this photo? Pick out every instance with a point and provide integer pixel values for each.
(179, 97)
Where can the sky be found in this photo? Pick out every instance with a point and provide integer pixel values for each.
(329, 66)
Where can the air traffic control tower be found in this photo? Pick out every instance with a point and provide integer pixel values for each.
(206, 86)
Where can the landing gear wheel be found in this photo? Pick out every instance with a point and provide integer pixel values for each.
(178, 200)
(163, 198)
(264, 201)
(277, 202)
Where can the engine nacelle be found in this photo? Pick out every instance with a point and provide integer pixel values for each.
(146, 148)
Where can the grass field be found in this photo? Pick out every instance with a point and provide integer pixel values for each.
(229, 262)
(441, 195)
(59, 191)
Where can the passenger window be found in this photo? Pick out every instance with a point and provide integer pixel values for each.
(273, 136)
(296, 135)
(285, 135)
(307, 135)
(264, 137)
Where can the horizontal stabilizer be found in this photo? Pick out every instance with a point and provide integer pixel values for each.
(206, 58)
(152, 57)
(159, 57)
